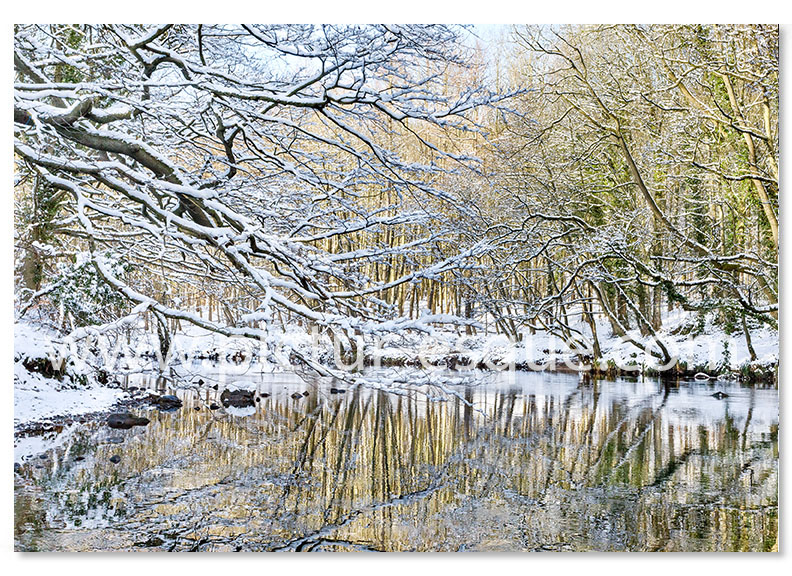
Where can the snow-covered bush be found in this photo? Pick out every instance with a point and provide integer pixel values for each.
(83, 295)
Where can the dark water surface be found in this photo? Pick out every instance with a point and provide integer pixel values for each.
(521, 462)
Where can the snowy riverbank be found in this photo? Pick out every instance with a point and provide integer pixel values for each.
(43, 389)
(53, 377)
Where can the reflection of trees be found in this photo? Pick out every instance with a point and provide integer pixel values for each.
(492, 469)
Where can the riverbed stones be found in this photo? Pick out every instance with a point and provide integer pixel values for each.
(152, 542)
(125, 421)
(237, 398)
(168, 402)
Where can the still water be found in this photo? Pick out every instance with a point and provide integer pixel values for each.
(525, 462)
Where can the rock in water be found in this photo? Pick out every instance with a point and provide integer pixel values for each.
(720, 395)
(337, 391)
(151, 542)
(168, 402)
(296, 395)
(125, 421)
(237, 398)
(115, 458)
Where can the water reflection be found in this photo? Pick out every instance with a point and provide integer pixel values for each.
(532, 462)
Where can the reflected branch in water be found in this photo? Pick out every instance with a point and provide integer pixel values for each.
(541, 462)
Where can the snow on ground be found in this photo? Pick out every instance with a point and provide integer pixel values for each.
(37, 398)
(711, 350)
(193, 342)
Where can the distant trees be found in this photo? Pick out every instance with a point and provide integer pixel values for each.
(641, 174)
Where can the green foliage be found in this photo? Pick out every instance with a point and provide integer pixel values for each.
(730, 316)
(37, 214)
(84, 295)
(673, 295)
(699, 324)
(70, 37)
(725, 364)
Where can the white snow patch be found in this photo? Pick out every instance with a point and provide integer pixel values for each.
(37, 398)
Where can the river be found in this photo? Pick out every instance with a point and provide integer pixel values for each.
(516, 462)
